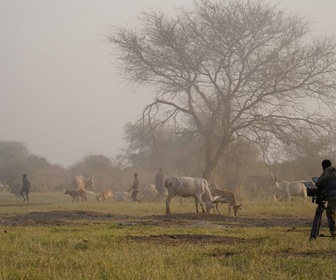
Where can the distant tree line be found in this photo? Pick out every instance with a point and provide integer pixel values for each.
(16, 160)
(241, 169)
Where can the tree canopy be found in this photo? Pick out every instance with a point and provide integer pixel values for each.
(230, 70)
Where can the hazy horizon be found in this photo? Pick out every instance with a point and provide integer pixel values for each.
(60, 92)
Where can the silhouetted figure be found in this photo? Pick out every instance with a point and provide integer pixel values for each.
(326, 186)
(25, 188)
(135, 188)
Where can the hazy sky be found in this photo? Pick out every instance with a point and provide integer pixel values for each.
(59, 92)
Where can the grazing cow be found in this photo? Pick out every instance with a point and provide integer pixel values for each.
(186, 187)
(84, 184)
(105, 195)
(284, 190)
(222, 196)
(77, 194)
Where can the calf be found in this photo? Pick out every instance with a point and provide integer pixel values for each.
(189, 187)
(105, 195)
(222, 196)
(76, 195)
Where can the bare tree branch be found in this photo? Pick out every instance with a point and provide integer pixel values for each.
(230, 69)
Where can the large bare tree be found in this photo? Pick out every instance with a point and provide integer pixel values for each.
(226, 70)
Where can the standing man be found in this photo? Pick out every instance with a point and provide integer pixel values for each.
(25, 188)
(326, 189)
(135, 188)
(159, 185)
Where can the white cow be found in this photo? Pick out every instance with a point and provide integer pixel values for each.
(284, 190)
(187, 187)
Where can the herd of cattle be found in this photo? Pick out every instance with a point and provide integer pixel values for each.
(180, 186)
(208, 198)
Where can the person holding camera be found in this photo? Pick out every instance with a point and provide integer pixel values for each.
(326, 191)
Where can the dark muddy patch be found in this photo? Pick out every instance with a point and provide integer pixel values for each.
(174, 220)
(187, 238)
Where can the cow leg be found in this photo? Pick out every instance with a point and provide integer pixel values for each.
(288, 196)
(196, 204)
(229, 210)
(216, 205)
(168, 200)
(199, 199)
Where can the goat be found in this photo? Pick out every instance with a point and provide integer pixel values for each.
(16, 192)
(76, 195)
(105, 195)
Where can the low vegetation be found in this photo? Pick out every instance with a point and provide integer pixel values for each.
(53, 238)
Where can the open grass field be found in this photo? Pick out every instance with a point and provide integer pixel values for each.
(53, 238)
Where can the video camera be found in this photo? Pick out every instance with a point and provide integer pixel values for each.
(311, 188)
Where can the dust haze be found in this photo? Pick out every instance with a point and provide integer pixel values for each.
(60, 92)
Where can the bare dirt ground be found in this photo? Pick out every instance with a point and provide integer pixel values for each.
(185, 220)
(53, 218)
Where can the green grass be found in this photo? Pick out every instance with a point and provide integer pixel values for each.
(104, 250)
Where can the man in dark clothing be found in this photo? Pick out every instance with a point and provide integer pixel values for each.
(326, 189)
(135, 187)
(25, 188)
(159, 185)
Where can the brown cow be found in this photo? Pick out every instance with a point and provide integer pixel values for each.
(105, 195)
(86, 184)
(222, 196)
(76, 195)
